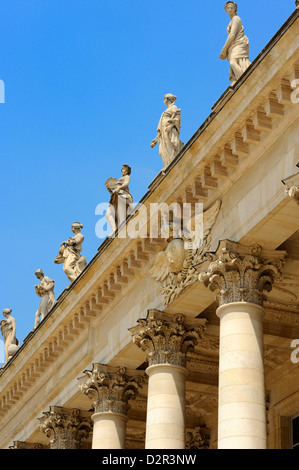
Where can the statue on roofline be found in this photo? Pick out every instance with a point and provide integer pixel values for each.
(236, 48)
(8, 330)
(121, 201)
(70, 254)
(168, 132)
(44, 290)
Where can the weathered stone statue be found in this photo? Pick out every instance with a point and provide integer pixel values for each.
(121, 201)
(236, 48)
(168, 136)
(8, 331)
(70, 254)
(45, 290)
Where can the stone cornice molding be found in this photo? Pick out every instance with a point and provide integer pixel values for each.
(242, 274)
(167, 338)
(65, 428)
(109, 389)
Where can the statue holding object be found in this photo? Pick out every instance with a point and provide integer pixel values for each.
(70, 254)
(44, 290)
(121, 201)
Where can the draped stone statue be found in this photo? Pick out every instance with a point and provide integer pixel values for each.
(44, 290)
(70, 254)
(236, 48)
(8, 331)
(168, 132)
(121, 201)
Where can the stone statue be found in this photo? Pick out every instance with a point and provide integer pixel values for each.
(168, 136)
(45, 290)
(121, 201)
(70, 254)
(8, 331)
(236, 48)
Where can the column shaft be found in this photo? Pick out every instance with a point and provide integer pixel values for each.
(242, 408)
(109, 431)
(165, 423)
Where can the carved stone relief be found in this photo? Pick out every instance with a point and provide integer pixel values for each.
(174, 266)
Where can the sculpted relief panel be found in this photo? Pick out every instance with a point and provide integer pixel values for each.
(174, 266)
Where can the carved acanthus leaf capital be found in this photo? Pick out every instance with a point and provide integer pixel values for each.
(65, 428)
(242, 274)
(110, 388)
(167, 338)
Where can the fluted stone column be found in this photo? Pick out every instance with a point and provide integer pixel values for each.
(109, 390)
(241, 275)
(167, 338)
(65, 428)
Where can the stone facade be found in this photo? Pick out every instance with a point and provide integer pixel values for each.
(195, 351)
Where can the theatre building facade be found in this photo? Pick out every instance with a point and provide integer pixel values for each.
(164, 342)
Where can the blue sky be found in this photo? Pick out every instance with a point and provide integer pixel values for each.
(84, 86)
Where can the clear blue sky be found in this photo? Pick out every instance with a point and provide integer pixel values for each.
(84, 82)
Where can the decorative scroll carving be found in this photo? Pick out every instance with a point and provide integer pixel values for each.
(199, 438)
(110, 389)
(174, 267)
(167, 338)
(242, 274)
(65, 428)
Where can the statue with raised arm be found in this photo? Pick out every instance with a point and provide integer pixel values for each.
(168, 132)
(44, 290)
(70, 254)
(121, 201)
(8, 331)
(236, 48)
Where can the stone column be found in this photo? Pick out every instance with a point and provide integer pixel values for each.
(109, 390)
(167, 339)
(241, 275)
(66, 428)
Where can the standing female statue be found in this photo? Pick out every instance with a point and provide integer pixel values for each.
(236, 48)
(168, 136)
(121, 201)
(44, 290)
(8, 330)
(70, 254)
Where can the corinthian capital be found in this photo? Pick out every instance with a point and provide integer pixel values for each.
(66, 428)
(110, 388)
(167, 338)
(242, 274)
